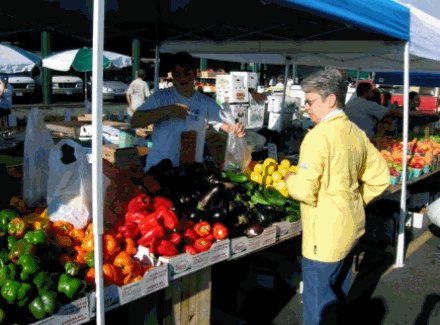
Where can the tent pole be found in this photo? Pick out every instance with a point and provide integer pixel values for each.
(97, 179)
(286, 74)
(156, 67)
(401, 234)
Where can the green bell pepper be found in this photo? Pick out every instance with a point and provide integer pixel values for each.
(16, 227)
(43, 281)
(35, 237)
(11, 242)
(20, 247)
(7, 272)
(4, 258)
(43, 305)
(29, 265)
(16, 292)
(70, 286)
(6, 216)
(71, 268)
(89, 258)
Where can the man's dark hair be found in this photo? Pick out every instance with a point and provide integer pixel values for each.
(362, 88)
(413, 94)
(184, 59)
(141, 73)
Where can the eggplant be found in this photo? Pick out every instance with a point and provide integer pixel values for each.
(209, 197)
(195, 215)
(196, 170)
(267, 214)
(253, 230)
(185, 202)
(217, 180)
(236, 208)
(217, 215)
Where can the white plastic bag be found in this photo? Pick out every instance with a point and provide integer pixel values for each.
(238, 154)
(69, 184)
(37, 144)
(433, 212)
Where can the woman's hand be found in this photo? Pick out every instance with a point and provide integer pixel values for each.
(237, 129)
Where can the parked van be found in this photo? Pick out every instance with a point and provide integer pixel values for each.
(67, 85)
(23, 85)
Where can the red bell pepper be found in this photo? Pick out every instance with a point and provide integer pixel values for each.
(202, 244)
(158, 201)
(148, 237)
(210, 237)
(202, 228)
(190, 236)
(220, 231)
(140, 202)
(136, 217)
(189, 249)
(175, 238)
(148, 222)
(185, 224)
(129, 230)
(167, 217)
(164, 247)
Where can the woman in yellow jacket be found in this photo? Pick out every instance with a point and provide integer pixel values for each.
(339, 172)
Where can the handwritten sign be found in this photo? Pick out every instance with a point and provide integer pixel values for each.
(256, 115)
(188, 144)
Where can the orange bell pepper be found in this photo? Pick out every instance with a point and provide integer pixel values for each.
(130, 246)
(110, 246)
(77, 234)
(111, 274)
(88, 243)
(90, 277)
(61, 227)
(63, 240)
(124, 262)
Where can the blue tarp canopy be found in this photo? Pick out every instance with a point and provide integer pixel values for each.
(383, 16)
(425, 79)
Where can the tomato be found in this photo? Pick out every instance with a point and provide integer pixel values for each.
(202, 244)
(220, 231)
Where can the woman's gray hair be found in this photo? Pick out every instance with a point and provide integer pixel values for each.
(325, 83)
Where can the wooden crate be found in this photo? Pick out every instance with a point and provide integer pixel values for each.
(188, 299)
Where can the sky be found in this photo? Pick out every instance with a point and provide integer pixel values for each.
(429, 6)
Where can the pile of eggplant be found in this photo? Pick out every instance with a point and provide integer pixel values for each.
(227, 197)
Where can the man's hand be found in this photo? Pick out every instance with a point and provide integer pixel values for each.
(177, 110)
(237, 129)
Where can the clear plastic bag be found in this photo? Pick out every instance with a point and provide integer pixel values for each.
(69, 184)
(433, 212)
(37, 145)
(238, 153)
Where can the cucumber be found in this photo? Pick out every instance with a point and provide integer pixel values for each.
(236, 177)
(274, 197)
(258, 198)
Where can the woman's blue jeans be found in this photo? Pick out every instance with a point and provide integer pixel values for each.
(325, 284)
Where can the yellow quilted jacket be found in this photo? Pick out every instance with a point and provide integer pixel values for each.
(339, 172)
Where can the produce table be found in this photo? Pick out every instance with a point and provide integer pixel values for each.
(396, 188)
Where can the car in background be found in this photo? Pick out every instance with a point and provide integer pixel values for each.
(68, 85)
(23, 85)
(114, 86)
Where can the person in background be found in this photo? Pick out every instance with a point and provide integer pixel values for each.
(387, 100)
(280, 81)
(376, 96)
(162, 84)
(137, 93)
(272, 81)
(414, 101)
(339, 172)
(169, 82)
(6, 91)
(364, 112)
(179, 109)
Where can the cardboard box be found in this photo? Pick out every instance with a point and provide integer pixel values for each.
(250, 78)
(123, 157)
(231, 89)
(240, 112)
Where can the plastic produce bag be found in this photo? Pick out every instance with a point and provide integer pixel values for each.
(69, 184)
(238, 153)
(37, 144)
(433, 212)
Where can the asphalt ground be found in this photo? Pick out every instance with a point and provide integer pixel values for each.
(263, 289)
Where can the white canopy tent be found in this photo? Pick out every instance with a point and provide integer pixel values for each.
(420, 53)
(342, 20)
